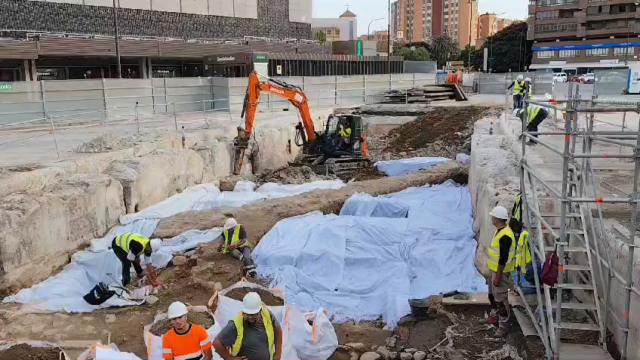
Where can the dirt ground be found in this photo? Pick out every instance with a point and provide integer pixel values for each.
(26, 352)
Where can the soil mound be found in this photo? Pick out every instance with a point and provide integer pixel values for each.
(200, 318)
(267, 297)
(105, 143)
(27, 352)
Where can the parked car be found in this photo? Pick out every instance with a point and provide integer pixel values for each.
(589, 78)
(560, 77)
(574, 78)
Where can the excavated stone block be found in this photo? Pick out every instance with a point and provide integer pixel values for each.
(148, 180)
(38, 232)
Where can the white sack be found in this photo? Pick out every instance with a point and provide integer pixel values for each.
(103, 352)
(317, 341)
(407, 166)
(463, 158)
(366, 205)
(64, 291)
(430, 251)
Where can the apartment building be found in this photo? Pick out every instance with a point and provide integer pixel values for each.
(582, 35)
(375, 36)
(488, 25)
(421, 20)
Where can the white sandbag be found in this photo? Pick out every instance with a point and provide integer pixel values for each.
(408, 166)
(106, 352)
(6, 344)
(154, 342)
(316, 341)
(361, 204)
(463, 158)
(247, 186)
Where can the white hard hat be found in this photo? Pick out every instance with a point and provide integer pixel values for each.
(516, 112)
(499, 212)
(230, 223)
(520, 77)
(528, 79)
(156, 244)
(177, 309)
(251, 304)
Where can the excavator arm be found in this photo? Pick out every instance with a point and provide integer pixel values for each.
(255, 88)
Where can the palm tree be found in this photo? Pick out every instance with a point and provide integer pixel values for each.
(444, 48)
(320, 36)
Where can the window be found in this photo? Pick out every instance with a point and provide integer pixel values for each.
(623, 51)
(568, 53)
(555, 2)
(597, 52)
(545, 54)
(554, 28)
(547, 15)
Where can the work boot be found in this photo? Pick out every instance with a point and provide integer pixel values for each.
(493, 318)
(503, 328)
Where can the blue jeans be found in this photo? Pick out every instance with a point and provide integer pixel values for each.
(517, 101)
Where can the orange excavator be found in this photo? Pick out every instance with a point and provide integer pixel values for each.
(340, 148)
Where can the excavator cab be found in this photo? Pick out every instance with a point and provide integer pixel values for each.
(335, 145)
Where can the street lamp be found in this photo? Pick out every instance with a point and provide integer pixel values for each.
(117, 31)
(369, 28)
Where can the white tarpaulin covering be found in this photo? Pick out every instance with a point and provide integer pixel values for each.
(376, 263)
(64, 291)
(407, 166)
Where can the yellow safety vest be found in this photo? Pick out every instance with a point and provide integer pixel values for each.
(494, 251)
(523, 253)
(345, 132)
(516, 213)
(234, 240)
(125, 240)
(532, 112)
(268, 325)
(530, 91)
(518, 87)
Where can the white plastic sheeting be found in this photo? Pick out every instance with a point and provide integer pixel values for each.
(376, 264)
(366, 205)
(64, 291)
(407, 166)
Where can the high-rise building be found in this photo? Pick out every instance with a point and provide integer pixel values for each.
(489, 24)
(393, 21)
(583, 35)
(421, 20)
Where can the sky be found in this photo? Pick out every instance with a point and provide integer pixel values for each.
(368, 10)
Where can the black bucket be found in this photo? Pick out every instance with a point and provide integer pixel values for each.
(419, 308)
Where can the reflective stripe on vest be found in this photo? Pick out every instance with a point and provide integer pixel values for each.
(125, 240)
(523, 253)
(516, 212)
(234, 240)
(494, 251)
(532, 112)
(268, 326)
(518, 87)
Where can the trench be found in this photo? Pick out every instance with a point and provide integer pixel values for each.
(397, 140)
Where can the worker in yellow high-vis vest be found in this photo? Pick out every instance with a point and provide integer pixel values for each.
(501, 262)
(129, 248)
(253, 334)
(518, 88)
(533, 115)
(523, 252)
(233, 241)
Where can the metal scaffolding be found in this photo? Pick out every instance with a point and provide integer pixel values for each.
(572, 231)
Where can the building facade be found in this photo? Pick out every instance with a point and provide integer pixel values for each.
(488, 25)
(421, 20)
(375, 36)
(583, 35)
(347, 24)
(74, 39)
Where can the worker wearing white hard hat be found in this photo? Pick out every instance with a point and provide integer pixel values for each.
(501, 262)
(528, 88)
(185, 340)
(129, 248)
(518, 87)
(233, 241)
(253, 334)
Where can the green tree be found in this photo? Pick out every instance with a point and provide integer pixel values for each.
(320, 36)
(475, 55)
(418, 54)
(444, 48)
(509, 49)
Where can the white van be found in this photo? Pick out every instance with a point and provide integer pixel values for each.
(560, 77)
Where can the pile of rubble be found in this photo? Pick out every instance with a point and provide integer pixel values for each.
(293, 175)
(107, 142)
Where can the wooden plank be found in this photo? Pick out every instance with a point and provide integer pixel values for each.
(582, 352)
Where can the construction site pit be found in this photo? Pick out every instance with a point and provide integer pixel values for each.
(393, 132)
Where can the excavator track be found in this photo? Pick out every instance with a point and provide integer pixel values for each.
(333, 166)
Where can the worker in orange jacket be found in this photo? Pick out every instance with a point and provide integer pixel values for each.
(185, 341)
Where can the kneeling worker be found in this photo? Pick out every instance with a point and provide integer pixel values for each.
(534, 116)
(502, 261)
(129, 248)
(253, 334)
(234, 242)
(185, 341)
